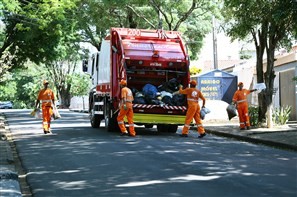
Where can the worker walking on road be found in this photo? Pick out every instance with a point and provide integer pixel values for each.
(193, 111)
(126, 109)
(46, 96)
(240, 100)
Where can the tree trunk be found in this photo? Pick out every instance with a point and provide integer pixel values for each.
(65, 97)
(260, 46)
(265, 97)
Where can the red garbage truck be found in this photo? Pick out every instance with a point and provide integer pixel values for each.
(141, 57)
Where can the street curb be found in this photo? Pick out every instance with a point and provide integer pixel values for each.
(254, 140)
(11, 165)
(9, 179)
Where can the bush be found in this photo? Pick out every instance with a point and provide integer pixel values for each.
(253, 113)
(281, 116)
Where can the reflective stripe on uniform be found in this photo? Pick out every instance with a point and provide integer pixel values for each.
(45, 101)
(199, 125)
(189, 99)
(131, 125)
(121, 122)
(241, 101)
(186, 125)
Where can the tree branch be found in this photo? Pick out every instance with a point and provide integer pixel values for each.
(141, 16)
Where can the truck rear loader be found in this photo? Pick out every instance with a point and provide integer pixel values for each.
(141, 57)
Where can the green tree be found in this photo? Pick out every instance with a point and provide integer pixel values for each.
(31, 30)
(270, 24)
(22, 85)
(81, 85)
(192, 18)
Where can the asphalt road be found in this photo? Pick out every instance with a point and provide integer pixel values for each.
(78, 160)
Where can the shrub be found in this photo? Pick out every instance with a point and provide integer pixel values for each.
(281, 116)
(253, 113)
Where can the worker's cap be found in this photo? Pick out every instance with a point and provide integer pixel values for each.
(193, 82)
(240, 84)
(123, 82)
(45, 82)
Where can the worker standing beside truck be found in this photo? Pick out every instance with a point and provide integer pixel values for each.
(240, 100)
(126, 109)
(193, 111)
(46, 96)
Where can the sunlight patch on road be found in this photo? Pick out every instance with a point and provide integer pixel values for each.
(67, 172)
(198, 161)
(72, 185)
(180, 179)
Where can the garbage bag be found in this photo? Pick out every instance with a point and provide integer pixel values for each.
(139, 94)
(203, 112)
(173, 84)
(164, 93)
(167, 100)
(232, 111)
(134, 91)
(149, 90)
(170, 86)
(139, 100)
(179, 99)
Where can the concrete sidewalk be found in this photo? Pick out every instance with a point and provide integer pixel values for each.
(284, 137)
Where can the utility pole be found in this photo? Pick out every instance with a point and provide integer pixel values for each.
(214, 39)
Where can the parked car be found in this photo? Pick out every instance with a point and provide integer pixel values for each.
(6, 105)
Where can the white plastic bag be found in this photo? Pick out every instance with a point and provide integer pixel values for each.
(56, 115)
(260, 87)
(36, 113)
(203, 112)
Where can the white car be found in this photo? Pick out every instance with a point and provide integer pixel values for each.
(6, 105)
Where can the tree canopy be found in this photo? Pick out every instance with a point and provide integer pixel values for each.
(271, 24)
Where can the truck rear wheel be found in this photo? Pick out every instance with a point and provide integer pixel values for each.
(167, 128)
(161, 128)
(172, 128)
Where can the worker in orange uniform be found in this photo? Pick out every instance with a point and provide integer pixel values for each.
(240, 100)
(47, 98)
(126, 109)
(193, 95)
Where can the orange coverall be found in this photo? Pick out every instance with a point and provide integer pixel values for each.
(193, 111)
(46, 96)
(126, 99)
(240, 98)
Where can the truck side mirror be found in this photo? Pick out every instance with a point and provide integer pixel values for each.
(85, 65)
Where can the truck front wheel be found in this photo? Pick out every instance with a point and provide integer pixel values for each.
(95, 120)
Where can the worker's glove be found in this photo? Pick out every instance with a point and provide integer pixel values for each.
(125, 107)
(180, 86)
